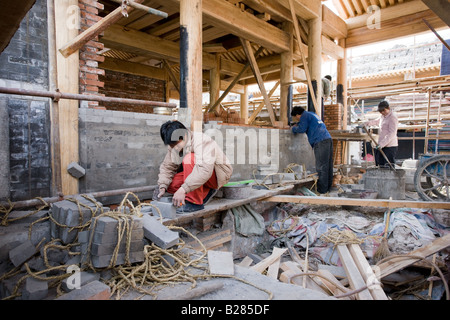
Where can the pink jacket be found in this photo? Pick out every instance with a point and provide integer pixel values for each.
(208, 157)
(388, 130)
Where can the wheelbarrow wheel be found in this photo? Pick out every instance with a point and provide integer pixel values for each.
(431, 179)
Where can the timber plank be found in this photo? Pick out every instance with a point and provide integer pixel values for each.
(338, 201)
(354, 276)
(367, 273)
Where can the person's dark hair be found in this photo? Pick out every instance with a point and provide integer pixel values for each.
(172, 132)
(383, 105)
(297, 111)
(328, 77)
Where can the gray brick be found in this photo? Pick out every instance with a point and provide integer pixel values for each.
(22, 253)
(102, 249)
(106, 238)
(83, 236)
(34, 289)
(159, 234)
(76, 170)
(167, 209)
(104, 261)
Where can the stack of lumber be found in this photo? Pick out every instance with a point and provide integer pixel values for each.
(356, 279)
(358, 274)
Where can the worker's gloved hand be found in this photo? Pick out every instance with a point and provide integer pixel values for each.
(377, 147)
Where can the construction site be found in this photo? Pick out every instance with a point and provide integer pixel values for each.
(102, 198)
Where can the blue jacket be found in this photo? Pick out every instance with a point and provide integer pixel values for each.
(314, 128)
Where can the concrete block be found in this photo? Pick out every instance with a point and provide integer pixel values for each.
(35, 289)
(76, 170)
(69, 214)
(108, 238)
(85, 278)
(159, 234)
(104, 261)
(22, 253)
(105, 224)
(102, 249)
(83, 236)
(167, 209)
(94, 290)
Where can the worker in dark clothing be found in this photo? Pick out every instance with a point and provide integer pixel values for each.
(320, 140)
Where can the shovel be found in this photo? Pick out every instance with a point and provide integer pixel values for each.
(379, 149)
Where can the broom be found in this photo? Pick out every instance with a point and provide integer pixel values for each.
(383, 249)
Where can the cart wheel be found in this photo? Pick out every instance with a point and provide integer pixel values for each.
(431, 179)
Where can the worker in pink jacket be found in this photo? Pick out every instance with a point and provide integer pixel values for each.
(387, 137)
(193, 169)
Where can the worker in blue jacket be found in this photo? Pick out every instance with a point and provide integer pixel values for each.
(320, 140)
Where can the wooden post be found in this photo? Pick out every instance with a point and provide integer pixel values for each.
(305, 64)
(214, 81)
(213, 108)
(342, 83)
(315, 57)
(56, 187)
(286, 75)
(67, 79)
(251, 58)
(428, 122)
(191, 61)
(244, 105)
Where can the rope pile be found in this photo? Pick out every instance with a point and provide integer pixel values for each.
(160, 268)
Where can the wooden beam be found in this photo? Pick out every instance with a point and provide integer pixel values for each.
(134, 68)
(213, 107)
(286, 76)
(315, 60)
(305, 64)
(383, 203)
(366, 272)
(261, 105)
(67, 79)
(244, 105)
(93, 31)
(143, 44)
(333, 25)
(242, 24)
(332, 49)
(175, 79)
(214, 82)
(393, 265)
(389, 13)
(225, 204)
(304, 9)
(251, 57)
(353, 275)
(395, 28)
(342, 83)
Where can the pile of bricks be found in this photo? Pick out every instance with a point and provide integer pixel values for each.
(70, 216)
(106, 242)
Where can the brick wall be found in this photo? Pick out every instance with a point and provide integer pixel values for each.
(89, 59)
(332, 118)
(25, 170)
(129, 86)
